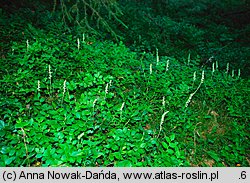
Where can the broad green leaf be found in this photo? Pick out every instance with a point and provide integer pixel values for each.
(143, 145)
(9, 160)
(2, 124)
(21, 125)
(172, 137)
(168, 139)
(76, 153)
(170, 151)
(125, 163)
(78, 115)
(173, 145)
(165, 145)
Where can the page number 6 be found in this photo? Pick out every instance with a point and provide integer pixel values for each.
(243, 175)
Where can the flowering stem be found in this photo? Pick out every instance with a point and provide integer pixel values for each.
(162, 120)
(192, 94)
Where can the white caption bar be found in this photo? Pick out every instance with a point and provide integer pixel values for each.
(109, 174)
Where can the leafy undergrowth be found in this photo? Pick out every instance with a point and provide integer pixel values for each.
(68, 101)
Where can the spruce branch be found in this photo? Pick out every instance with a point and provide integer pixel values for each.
(97, 11)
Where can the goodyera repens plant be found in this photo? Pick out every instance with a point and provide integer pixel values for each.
(162, 120)
(27, 44)
(106, 89)
(150, 68)
(192, 94)
(38, 85)
(157, 57)
(163, 101)
(122, 106)
(167, 66)
(64, 89)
